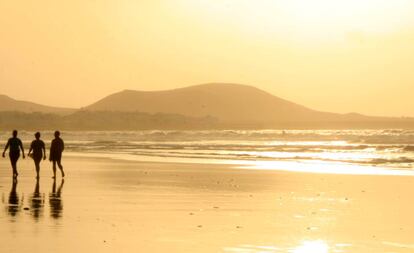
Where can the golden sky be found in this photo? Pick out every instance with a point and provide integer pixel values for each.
(331, 55)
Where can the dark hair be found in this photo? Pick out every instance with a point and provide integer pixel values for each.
(57, 133)
(14, 133)
(37, 135)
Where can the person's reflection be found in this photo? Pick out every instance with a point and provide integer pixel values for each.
(14, 206)
(37, 202)
(55, 200)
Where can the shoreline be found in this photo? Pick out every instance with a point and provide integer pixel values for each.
(286, 166)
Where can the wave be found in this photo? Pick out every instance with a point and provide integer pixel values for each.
(387, 147)
(386, 136)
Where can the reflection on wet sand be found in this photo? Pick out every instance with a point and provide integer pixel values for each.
(157, 207)
(13, 206)
(37, 202)
(55, 200)
(317, 246)
(312, 246)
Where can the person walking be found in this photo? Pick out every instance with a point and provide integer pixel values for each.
(14, 145)
(55, 154)
(39, 152)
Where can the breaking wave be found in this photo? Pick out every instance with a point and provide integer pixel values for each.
(390, 148)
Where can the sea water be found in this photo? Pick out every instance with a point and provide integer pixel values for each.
(354, 151)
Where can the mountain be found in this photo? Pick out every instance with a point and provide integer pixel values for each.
(9, 104)
(95, 121)
(227, 102)
(233, 103)
(206, 106)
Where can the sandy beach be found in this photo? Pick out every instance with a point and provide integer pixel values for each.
(116, 206)
(184, 126)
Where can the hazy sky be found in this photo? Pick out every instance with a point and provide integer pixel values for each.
(330, 55)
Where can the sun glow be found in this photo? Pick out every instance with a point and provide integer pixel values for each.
(312, 247)
(307, 19)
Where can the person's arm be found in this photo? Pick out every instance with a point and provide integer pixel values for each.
(21, 146)
(63, 146)
(44, 151)
(50, 151)
(5, 149)
(30, 150)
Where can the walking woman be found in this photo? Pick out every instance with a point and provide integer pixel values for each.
(15, 144)
(39, 152)
(55, 154)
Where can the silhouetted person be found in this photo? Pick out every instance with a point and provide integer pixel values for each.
(39, 152)
(55, 200)
(14, 206)
(37, 201)
(14, 144)
(55, 154)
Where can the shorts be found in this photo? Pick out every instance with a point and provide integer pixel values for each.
(14, 156)
(37, 158)
(56, 157)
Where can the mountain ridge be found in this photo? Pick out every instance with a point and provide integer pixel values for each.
(204, 106)
(10, 104)
(228, 102)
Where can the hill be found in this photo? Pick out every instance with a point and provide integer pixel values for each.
(10, 104)
(230, 103)
(95, 121)
(207, 106)
(227, 102)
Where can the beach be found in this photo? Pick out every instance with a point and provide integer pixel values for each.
(273, 126)
(109, 205)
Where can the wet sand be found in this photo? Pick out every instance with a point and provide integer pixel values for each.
(116, 206)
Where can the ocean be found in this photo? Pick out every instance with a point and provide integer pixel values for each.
(389, 151)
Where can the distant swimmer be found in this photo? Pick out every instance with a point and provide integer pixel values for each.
(15, 144)
(55, 154)
(39, 152)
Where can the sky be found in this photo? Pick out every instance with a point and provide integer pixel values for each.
(329, 55)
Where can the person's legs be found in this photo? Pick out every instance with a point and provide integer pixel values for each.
(13, 159)
(37, 164)
(60, 167)
(14, 167)
(54, 169)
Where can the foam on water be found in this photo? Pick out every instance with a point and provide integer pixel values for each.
(366, 149)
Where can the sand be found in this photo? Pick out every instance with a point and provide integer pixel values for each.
(117, 206)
